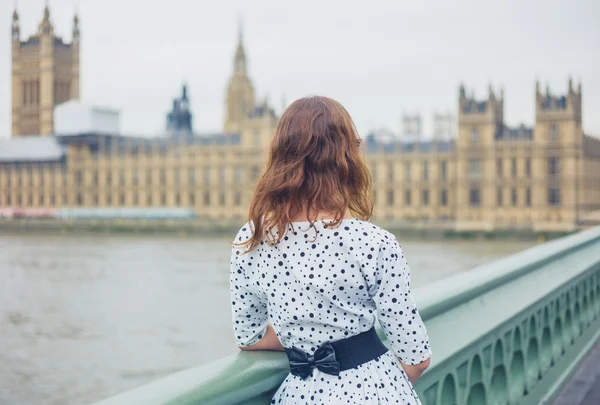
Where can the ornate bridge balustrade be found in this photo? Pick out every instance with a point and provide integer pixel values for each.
(509, 332)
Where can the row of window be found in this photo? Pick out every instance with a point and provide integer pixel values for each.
(179, 199)
(31, 92)
(424, 175)
(475, 170)
(553, 197)
(391, 198)
(149, 175)
(552, 134)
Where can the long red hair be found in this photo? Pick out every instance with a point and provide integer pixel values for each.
(314, 164)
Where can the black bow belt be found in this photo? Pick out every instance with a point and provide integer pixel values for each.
(333, 357)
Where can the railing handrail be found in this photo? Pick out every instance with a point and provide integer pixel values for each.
(443, 295)
(251, 374)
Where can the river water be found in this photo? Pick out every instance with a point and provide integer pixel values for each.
(88, 316)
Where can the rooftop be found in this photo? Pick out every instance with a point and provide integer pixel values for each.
(31, 149)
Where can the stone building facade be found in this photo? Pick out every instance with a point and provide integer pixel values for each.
(45, 73)
(487, 176)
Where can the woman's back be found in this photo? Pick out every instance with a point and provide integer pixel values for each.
(315, 289)
(327, 289)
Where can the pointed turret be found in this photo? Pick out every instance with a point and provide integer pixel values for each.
(75, 28)
(240, 54)
(16, 28)
(45, 27)
(240, 92)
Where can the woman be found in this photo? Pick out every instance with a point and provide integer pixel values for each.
(309, 274)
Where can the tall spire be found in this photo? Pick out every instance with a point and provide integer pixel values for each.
(240, 54)
(75, 27)
(46, 26)
(16, 29)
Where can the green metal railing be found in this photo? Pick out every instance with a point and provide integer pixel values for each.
(510, 332)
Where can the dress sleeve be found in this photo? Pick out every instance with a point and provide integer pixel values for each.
(396, 308)
(249, 309)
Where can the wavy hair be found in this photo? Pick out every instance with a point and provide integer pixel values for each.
(314, 164)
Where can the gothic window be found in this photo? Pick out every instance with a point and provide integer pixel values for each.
(192, 176)
(553, 166)
(255, 172)
(444, 197)
(499, 197)
(177, 176)
(554, 196)
(474, 168)
(528, 167)
(207, 175)
(425, 197)
(444, 170)
(237, 175)
(553, 132)
(474, 197)
(513, 167)
(425, 171)
(407, 171)
(407, 197)
(499, 167)
(528, 197)
(221, 175)
(514, 197)
(390, 197)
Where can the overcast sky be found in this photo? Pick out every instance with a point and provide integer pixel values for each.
(379, 58)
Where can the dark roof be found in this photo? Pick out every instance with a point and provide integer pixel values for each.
(35, 40)
(472, 106)
(402, 146)
(520, 132)
(261, 111)
(550, 102)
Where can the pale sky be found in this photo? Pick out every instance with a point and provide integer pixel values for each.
(378, 58)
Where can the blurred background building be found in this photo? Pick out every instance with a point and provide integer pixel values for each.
(475, 172)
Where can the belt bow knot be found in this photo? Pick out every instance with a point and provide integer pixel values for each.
(302, 363)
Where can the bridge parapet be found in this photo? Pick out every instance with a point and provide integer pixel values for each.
(508, 332)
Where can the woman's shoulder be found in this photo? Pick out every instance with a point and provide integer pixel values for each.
(369, 228)
(375, 234)
(244, 233)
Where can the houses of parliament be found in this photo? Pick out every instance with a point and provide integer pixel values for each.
(474, 174)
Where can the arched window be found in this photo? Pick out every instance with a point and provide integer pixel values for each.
(553, 132)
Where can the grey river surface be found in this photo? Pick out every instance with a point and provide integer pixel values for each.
(83, 317)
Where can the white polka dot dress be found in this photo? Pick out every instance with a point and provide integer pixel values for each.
(327, 289)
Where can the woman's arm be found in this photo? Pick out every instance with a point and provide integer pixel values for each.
(414, 372)
(269, 342)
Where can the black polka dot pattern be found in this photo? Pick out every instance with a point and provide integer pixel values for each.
(327, 285)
